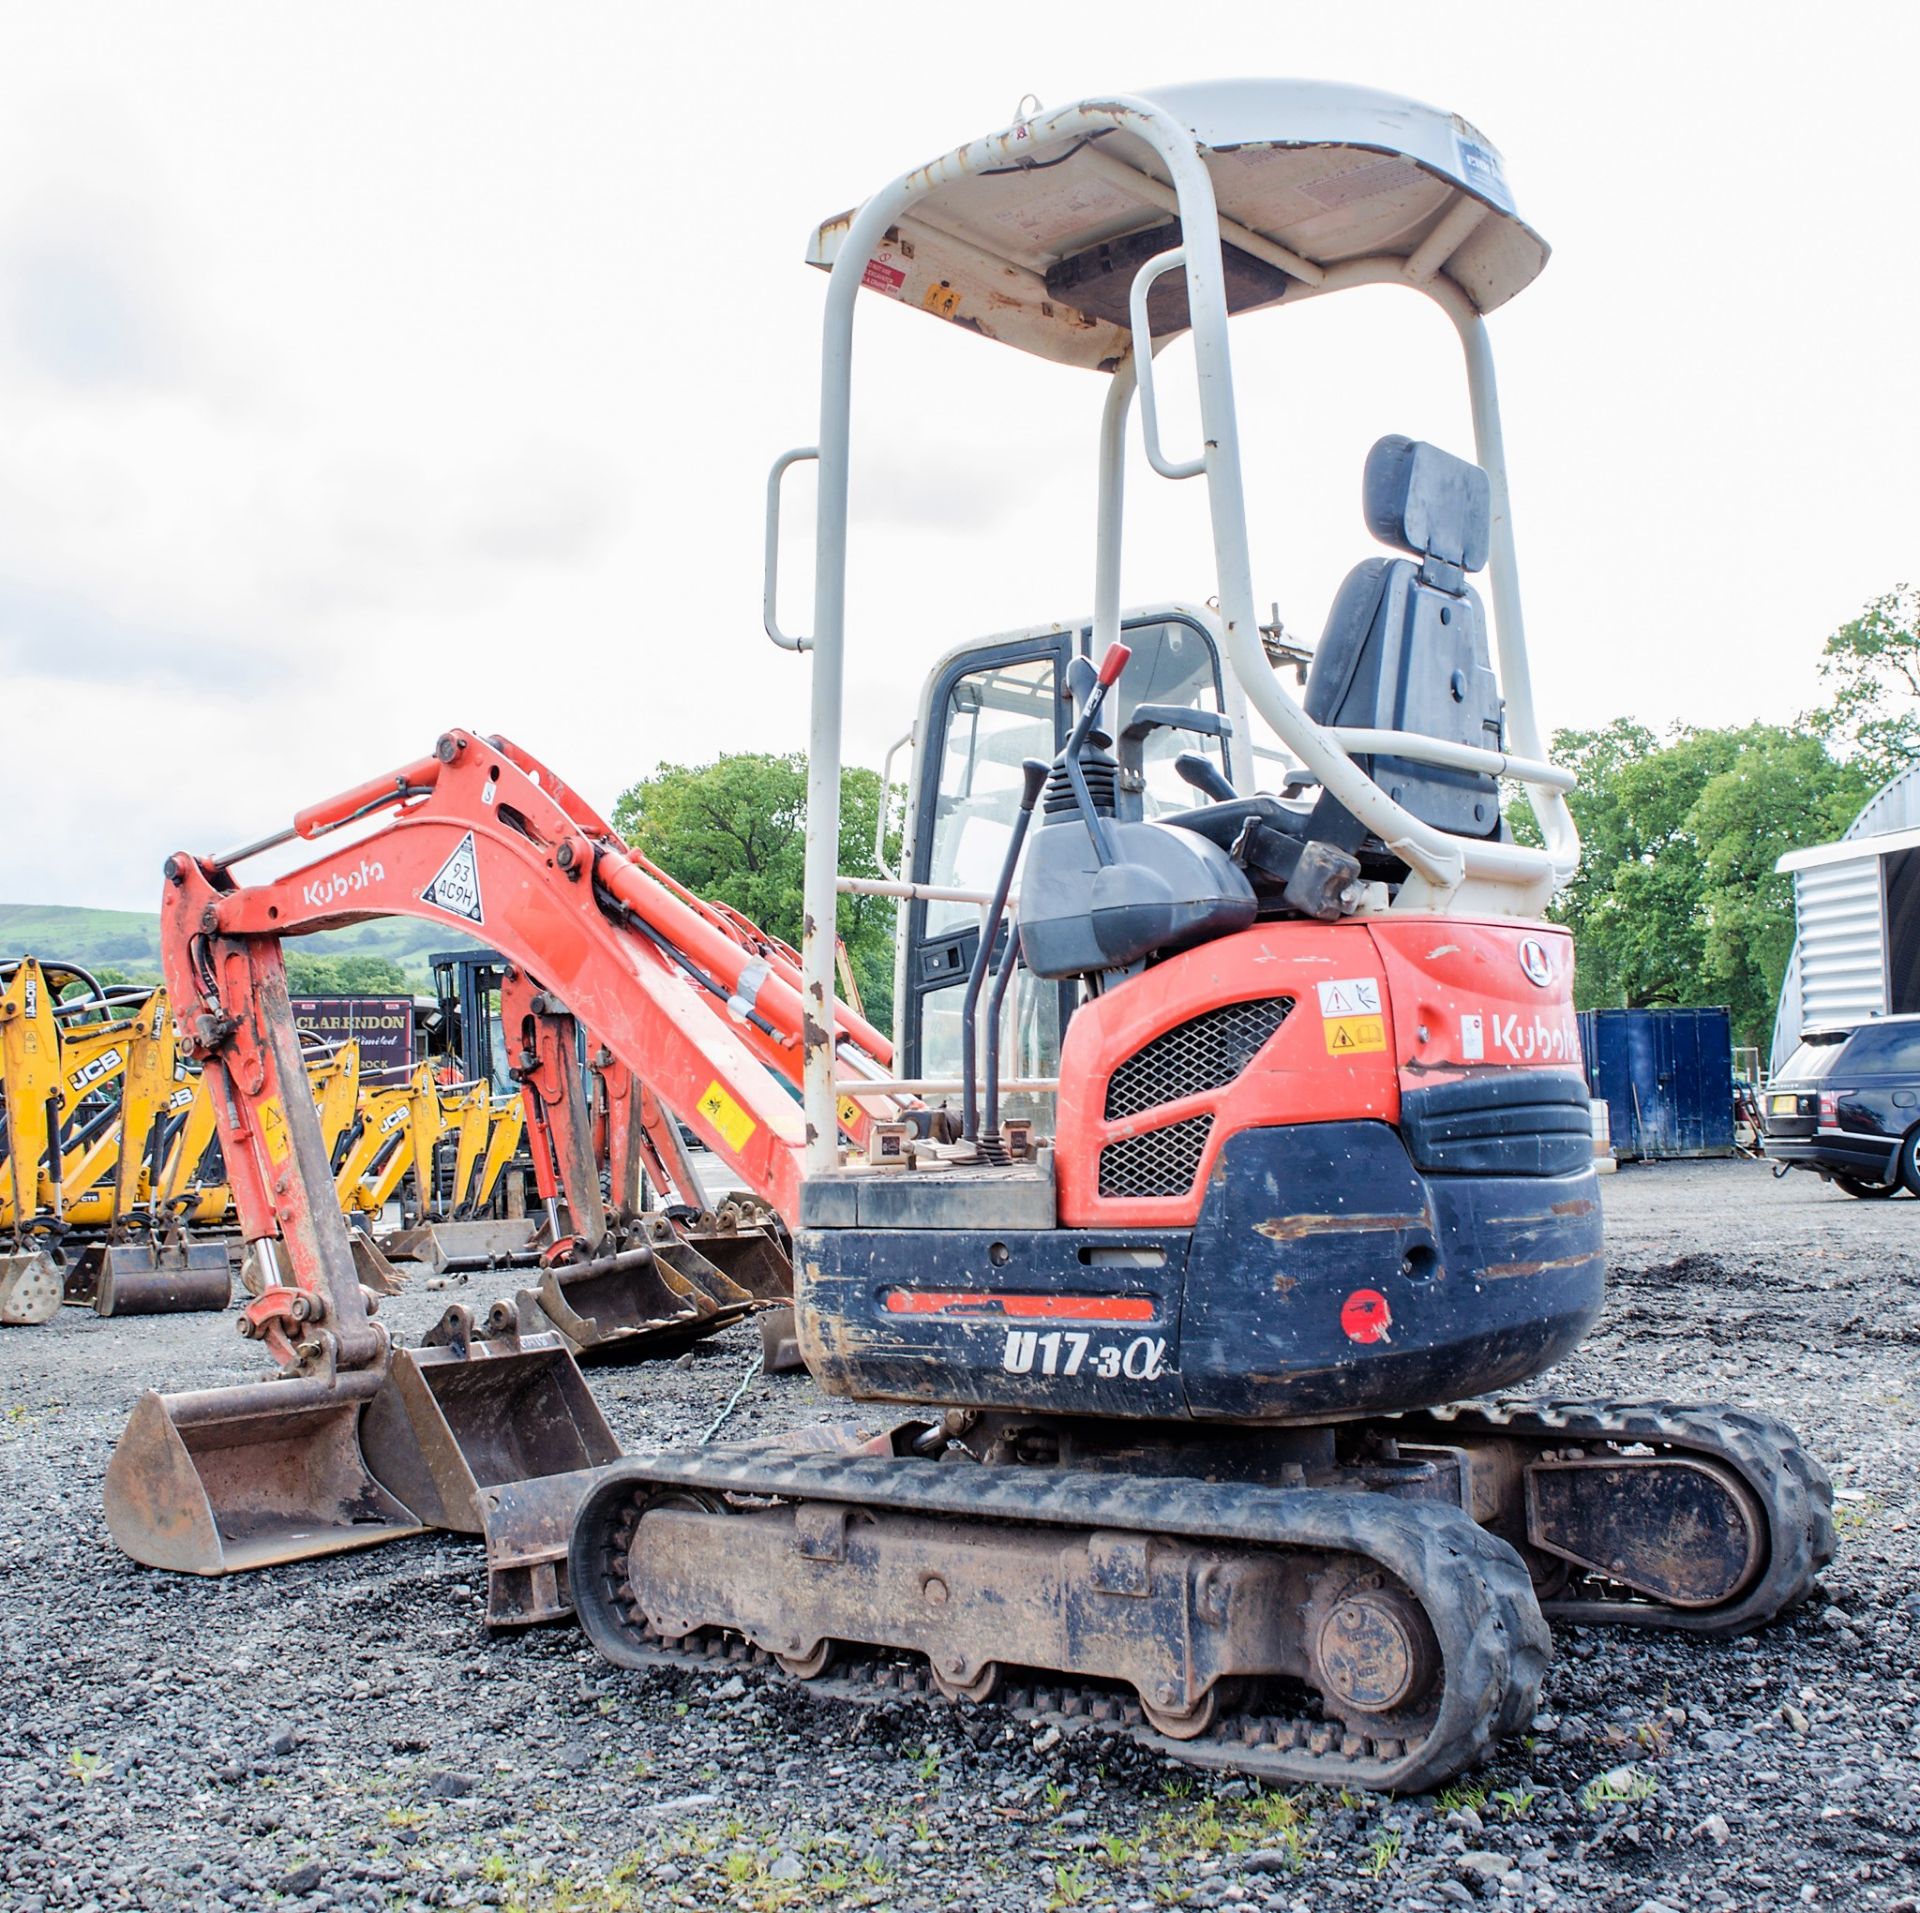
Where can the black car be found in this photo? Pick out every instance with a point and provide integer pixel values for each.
(1847, 1106)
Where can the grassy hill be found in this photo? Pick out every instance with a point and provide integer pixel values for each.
(129, 940)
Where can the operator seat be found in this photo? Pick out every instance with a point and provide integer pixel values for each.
(1405, 648)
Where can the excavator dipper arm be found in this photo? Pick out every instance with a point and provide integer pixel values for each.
(478, 838)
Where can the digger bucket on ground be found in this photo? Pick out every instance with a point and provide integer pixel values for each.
(225, 1479)
(498, 1437)
(453, 1247)
(656, 1298)
(142, 1278)
(30, 1289)
(750, 1258)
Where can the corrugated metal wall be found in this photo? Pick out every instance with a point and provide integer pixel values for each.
(1843, 958)
(1894, 807)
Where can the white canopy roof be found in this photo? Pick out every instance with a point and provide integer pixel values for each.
(1307, 174)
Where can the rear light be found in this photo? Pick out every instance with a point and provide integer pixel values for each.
(1830, 1109)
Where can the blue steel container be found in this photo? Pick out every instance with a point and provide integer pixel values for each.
(1666, 1077)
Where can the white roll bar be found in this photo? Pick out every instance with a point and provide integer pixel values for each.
(1442, 865)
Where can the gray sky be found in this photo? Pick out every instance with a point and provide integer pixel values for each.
(366, 369)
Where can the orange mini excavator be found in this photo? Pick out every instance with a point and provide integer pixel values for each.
(1233, 1151)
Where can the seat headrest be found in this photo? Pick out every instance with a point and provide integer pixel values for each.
(1427, 502)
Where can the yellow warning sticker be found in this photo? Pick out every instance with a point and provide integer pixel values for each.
(1355, 1035)
(849, 1113)
(272, 1121)
(733, 1122)
(941, 299)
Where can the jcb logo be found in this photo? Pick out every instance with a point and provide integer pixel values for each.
(108, 1059)
(394, 1121)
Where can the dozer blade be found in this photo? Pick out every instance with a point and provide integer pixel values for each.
(226, 1479)
(499, 1437)
(177, 1278)
(779, 1342)
(30, 1289)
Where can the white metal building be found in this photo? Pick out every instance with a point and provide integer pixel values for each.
(1856, 904)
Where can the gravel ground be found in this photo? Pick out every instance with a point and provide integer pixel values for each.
(344, 1734)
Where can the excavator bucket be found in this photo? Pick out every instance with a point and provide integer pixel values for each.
(30, 1289)
(743, 1243)
(225, 1479)
(495, 1435)
(656, 1298)
(174, 1276)
(459, 1248)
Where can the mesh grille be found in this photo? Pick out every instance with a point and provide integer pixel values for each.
(1163, 1162)
(1204, 1052)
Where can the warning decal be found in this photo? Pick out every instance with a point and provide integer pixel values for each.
(1355, 1035)
(1350, 996)
(849, 1113)
(882, 275)
(1352, 1021)
(456, 889)
(272, 1123)
(733, 1122)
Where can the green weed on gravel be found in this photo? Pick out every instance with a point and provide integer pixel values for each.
(1623, 1787)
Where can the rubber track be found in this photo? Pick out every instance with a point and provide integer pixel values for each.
(1790, 1484)
(1474, 1588)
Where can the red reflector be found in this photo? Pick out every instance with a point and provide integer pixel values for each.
(1020, 1308)
(1830, 1107)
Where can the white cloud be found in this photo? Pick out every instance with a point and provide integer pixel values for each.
(365, 370)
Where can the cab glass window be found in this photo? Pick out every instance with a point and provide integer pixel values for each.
(1172, 663)
(995, 719)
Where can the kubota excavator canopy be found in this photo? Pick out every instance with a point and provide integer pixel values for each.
(1034, 251)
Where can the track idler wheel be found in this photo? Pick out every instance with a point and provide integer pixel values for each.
(1371, 1654)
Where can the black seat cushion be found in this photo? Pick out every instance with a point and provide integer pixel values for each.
(1418, 498)
(1405, 648)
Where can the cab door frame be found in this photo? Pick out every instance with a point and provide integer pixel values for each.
(914, 980)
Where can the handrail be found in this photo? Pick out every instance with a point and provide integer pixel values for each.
(862, 1091)
(1143, 365)
(899, 744)
(1418, 748)
(770, 584)
(905, 892)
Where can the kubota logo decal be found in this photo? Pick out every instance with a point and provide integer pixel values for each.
(341, 883)
(1535, 962)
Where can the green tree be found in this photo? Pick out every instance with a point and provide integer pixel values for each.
(1872, 668)
(345, 976)
(734, 831)
(1676, 900)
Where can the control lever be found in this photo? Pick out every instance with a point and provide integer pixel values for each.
(1205, 776)
(1009, 962)
(1034, 773)
(1090, 688)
